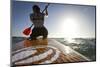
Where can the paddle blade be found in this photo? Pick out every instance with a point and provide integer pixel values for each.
(27, 31)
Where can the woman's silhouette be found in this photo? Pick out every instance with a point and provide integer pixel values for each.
(37, 19)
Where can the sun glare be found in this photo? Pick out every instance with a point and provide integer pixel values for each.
(69, 27)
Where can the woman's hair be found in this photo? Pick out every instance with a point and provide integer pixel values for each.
(36, 8)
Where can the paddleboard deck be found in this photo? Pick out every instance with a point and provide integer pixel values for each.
(66, 53)
(35, 43)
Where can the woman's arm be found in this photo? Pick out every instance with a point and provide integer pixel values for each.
(46, 12)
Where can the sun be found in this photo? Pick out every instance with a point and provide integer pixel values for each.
(69, 27)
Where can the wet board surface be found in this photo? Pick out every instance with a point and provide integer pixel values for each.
(35, 43)
(55, 52)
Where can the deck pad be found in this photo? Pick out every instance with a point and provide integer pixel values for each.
(36, 43)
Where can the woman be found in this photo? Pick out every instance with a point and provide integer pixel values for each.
(37, 19)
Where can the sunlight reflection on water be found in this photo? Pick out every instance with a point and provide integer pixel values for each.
(67, 49)
(69, 40)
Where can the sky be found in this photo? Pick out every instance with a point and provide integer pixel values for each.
(64, 20)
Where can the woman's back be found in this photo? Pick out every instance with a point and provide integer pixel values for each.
(37, 19)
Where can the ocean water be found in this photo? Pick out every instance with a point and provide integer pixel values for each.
(14, 41)
(85, 46)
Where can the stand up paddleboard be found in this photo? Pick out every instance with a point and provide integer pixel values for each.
(54, 52)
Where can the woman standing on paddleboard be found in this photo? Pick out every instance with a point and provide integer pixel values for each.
(37, 18)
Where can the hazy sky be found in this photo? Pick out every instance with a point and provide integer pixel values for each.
(63, 20)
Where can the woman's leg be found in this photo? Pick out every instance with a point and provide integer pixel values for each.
(33, 35)
(44, 33)
(41, 31)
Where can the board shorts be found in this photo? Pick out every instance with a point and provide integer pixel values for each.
(39, 31)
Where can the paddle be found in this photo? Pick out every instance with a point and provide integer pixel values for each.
(27, 31)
